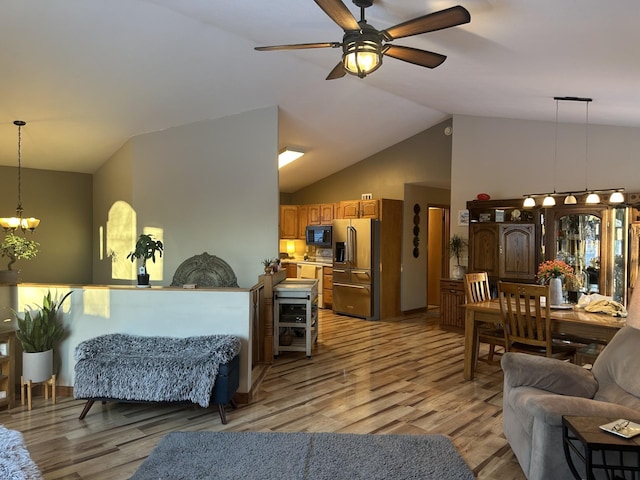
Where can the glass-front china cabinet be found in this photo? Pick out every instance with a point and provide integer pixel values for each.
(592, 240)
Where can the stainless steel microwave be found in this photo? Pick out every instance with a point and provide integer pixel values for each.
(319, 235)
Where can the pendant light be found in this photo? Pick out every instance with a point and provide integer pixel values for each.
(549, 200)
(13, 223)
(593, 197)
(616, 197)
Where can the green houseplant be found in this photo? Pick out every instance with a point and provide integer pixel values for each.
(16, 247)
(457, 247)
(146, 248)
(39, 331)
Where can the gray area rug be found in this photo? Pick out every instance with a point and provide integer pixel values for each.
(285, 456)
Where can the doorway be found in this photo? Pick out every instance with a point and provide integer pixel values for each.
(437, 266)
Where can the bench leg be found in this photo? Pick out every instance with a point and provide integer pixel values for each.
(86, 409)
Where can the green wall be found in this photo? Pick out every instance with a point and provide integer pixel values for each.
(424, 159)
(63, 203)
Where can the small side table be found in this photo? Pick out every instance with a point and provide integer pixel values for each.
(583, 437)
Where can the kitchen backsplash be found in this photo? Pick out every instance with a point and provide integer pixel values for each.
(297, 249)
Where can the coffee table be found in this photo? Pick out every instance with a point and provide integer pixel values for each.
(583, 436)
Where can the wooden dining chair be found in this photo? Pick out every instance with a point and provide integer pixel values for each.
(527, 320)
(476, 287)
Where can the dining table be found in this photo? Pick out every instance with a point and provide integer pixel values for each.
(570, 322)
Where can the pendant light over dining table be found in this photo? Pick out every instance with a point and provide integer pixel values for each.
(19, 221)
(591, 196)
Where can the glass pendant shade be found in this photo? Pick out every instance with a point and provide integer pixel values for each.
(548, 201)
(529, 202)
(616, 197)
(593, 198)
(570, 200)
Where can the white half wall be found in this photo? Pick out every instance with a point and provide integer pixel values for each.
(91, 311)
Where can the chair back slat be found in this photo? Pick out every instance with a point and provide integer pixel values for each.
(476, 287)
(526, 316)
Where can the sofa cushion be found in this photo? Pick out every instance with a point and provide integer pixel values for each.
(617, 368)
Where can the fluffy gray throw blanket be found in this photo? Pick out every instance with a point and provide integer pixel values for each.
(15, 462)
(155, 369)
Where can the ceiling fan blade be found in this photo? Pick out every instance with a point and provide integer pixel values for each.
(299, 46)
(337, 72)
(339, 13)
(449, 17)
(415, 56)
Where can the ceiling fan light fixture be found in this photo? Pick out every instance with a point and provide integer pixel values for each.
(362, 56)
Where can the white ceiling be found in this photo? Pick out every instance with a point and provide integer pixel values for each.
(86, 75)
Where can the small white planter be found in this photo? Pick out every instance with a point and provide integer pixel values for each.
(38, 366)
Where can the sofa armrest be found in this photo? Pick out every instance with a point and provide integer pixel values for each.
(551, 408)
(549, 374)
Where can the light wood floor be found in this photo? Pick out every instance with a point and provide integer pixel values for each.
(402, 376)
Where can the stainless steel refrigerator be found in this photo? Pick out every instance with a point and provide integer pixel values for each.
(356, 264)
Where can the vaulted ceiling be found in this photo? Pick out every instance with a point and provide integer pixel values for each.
(86, 75)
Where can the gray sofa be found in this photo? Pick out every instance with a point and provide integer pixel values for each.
(538, 391)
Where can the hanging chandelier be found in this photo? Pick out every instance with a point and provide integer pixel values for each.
(19, 221)
(590, 196)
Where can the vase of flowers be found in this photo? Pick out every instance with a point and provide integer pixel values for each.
(552, 273)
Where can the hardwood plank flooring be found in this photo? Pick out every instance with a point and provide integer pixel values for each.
(402, 376)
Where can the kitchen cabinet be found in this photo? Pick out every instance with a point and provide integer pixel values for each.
(292, 270)
(504, 250)
(289, 221)
(451, 301)
(360, 209)
(320, 214)
(7, 368)
(327, 287)
(303, 213)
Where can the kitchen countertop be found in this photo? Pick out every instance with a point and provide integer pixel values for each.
(308, 262)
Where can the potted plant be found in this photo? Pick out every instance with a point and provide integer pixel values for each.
(16, 247)
(457, 247)
(146, 248)
(39, 331)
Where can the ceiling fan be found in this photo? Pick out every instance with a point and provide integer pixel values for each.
(363, 45)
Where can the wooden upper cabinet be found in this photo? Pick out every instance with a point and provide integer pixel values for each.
(360, 209)
(505, 251)
(326, 214)
(289, 221)
(321, 214)
(313, 217)
(303, 214)
(369, 209)
(350, 208)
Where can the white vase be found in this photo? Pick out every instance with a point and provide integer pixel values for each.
(555, 291)
(458, 272)
(37, 366)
